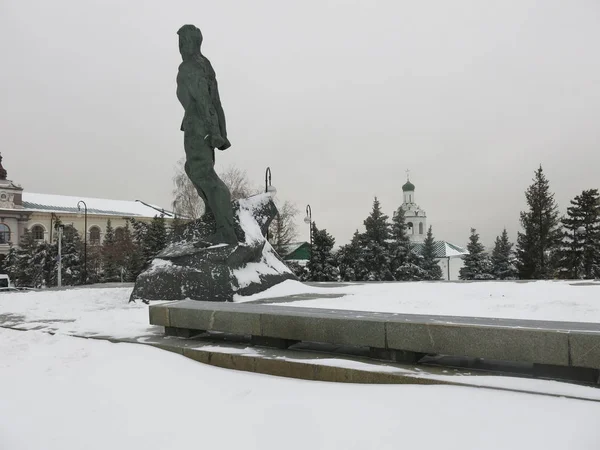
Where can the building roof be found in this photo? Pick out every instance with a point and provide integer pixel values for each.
(290, 248)
(408, 186)
(33, 202)
(443, 249)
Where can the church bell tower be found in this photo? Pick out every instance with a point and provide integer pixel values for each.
(416, 218)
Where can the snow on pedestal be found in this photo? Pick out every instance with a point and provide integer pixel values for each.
(219, 272)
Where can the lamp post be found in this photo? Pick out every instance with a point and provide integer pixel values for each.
(269, 189)
(308, 220)
(81, 202)
(60, 233)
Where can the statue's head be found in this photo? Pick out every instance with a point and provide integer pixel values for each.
(190, 40)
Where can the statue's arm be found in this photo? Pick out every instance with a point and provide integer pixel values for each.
(219, 108)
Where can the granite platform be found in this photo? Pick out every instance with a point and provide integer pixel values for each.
(399, 337)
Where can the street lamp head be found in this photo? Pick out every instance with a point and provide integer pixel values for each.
(272, 190)
(307, 220)
(580, 230)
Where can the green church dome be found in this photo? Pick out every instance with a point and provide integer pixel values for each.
(408, 187)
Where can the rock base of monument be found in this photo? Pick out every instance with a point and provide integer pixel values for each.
(217, 273)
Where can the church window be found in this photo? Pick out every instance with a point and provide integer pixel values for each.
(4, 234)
(421, 228)
(38, 232)
(409, 225)
(120, 234)
(95, 236)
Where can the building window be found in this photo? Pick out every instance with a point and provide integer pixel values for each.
(4, 234)
(409, 225)
(38, 232)
(421, 228)
(95, 236)
(120, 234)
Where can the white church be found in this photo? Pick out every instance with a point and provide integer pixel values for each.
(449, 256)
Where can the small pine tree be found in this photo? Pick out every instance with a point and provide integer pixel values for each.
(11, 264)
(322, 266)
(27, 274)
(503, 266)
(580, 254)
(475, 265)
(350, 256)
(375, 243)
(428, 262)
(541, 238)
(151, 237)
(45, 261)
(110, 255)
(177, 229)
(412, 269)
(133, 260)
(298, 269)
(72, 257)
(401, 265)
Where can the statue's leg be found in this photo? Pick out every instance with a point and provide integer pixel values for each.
(201, 171)
(201, 193)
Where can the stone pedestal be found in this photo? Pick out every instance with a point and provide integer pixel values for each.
(183, 271)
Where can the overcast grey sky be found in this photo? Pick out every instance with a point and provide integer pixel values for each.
(338, 97)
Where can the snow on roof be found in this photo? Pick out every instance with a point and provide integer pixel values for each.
(66, 204)
(443, 249)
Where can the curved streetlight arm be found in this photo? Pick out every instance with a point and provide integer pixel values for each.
(267, 179)
(84, 205)
(308, 218)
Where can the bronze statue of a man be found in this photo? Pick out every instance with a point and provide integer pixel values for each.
(204, 130)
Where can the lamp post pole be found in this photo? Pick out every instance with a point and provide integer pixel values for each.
(60, 232)
(85, 231)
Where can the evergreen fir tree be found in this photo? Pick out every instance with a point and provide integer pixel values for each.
(151, 237)
(27, 275)
(134, 260)
(405, 263)
(349, 257)
(45, 262)
(72, 257)
(11, 264)
(177, 229)
(299, 270)
(110, 255)
(428, 261)
(322, 266)
(580, 255)
(541, 238)
(475, 265)
(375, 243)
(503, 266)
(399, 245)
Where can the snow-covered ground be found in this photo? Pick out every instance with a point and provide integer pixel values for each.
(106, 311)
(569, 301)
(63, 393)
(83, 312)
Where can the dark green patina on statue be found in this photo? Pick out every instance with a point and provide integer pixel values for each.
(193, 265)
(204, 130)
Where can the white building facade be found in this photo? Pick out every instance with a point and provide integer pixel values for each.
(39, 213)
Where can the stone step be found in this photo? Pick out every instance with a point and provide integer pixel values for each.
(402, 336)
